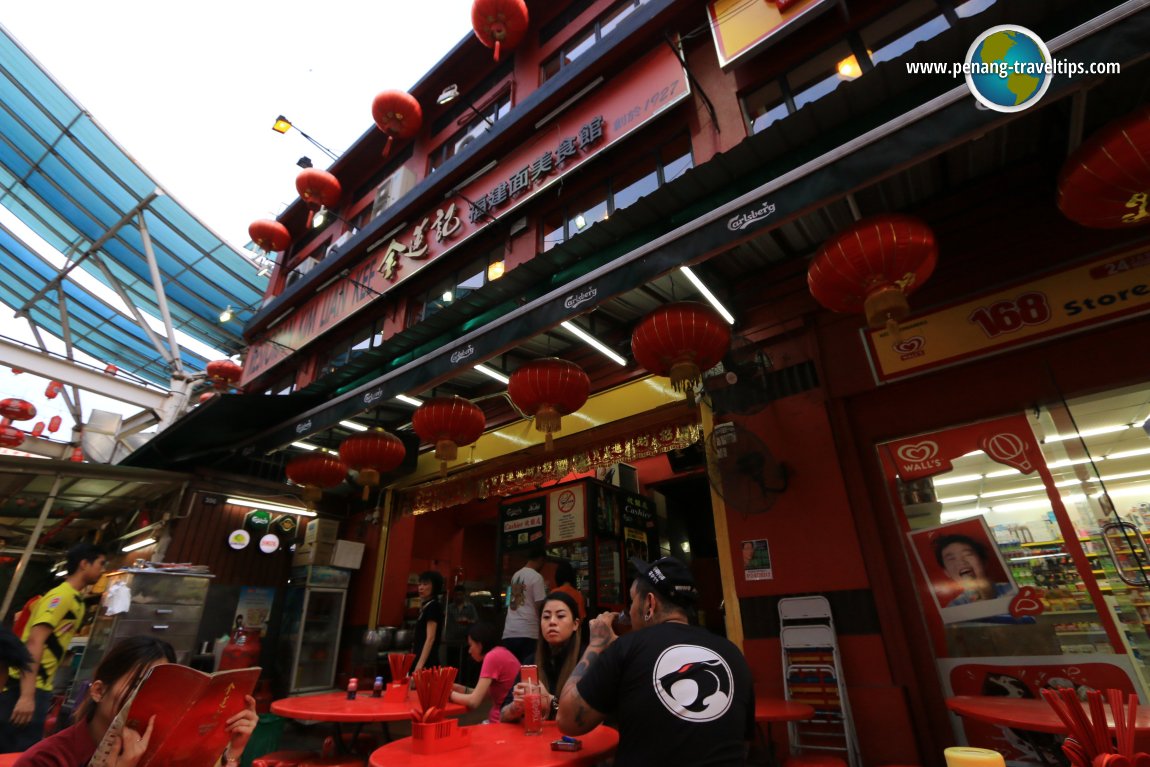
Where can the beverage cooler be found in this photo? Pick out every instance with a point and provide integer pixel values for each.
(1027, 553)
(312, 621)
(595, 526)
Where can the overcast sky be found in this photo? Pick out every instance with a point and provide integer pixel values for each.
(191, 92)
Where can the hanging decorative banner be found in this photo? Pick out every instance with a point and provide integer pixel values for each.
(1099, 291)
(1009, 441)
(432, 496)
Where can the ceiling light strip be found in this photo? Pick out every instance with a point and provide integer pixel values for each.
(586, 337)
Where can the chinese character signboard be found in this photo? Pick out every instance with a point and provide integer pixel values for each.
(616, 109)
(740, 27)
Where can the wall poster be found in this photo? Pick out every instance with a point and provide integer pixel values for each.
(566, 514)
(757, 560)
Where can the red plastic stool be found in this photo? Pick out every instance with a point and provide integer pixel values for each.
(814, 760)
(342, 760)
(363, 743)
(283, 758)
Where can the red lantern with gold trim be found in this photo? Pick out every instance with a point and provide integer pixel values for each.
(372, 453)
(319, 189)
(449, 423)
(224, 373)
(873, 266)
(17, 409)
(499, 24)
(315, 471)
(1105, 184)
(269, 235)
(10, 436)
(397, 114)
(548, 389)
(680, 341)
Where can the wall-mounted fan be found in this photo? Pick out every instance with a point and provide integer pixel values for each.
(743, 471)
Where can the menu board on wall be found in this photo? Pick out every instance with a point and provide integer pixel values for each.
(638, 516)
(566, 514)
(521, 523)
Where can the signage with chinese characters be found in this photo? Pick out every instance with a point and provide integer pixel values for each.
(739, 27)
(616, 109)
(1095, 292)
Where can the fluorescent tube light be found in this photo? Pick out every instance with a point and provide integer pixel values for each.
(256, 503)
(583, 335)
(353, 425)
(492, 374)
(409, 400)
(707, 294)
(138, 544)
(305, 445)
(1087, 433)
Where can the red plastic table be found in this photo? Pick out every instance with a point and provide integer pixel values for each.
(1031, 714)
(7, 760)
(500, 745)
(779, 710)
(335, 707)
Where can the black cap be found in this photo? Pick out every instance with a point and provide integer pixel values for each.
(669, 577)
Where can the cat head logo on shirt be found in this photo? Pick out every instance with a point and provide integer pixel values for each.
(693, 683)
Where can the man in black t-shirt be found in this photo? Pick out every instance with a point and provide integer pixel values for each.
(679, 694)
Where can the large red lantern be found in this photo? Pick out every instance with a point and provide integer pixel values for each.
(499, 24)
(681, 341)
(269, 235)
(448, 423)
(548, 389)
(10, 436)
(873, 266)
(17, 409)
(224, 373)
(372, 453)
(316, 471)
(397, 114)
(1106, 182)
(319, 189)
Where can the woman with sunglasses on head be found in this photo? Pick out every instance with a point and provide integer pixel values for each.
(557, 653)
(120, 670)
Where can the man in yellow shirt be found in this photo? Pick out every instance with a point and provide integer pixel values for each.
(27, 695)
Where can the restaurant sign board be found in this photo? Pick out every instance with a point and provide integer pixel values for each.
(619, 107)
(1095, 292)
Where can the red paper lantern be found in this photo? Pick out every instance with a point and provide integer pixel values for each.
(224, 373)
(548, 389)
(53, 389)
(448, 423)
(54, 423)
(110, 369)
(314, 472)
(269, 235)
(77, 455)
(681, 340)
(317, 188)
(397, 114)
(1105, 184)
(10, 436)
(372, 453)
(499, 23)
(873, 266)
(17, 409)
(38, 429)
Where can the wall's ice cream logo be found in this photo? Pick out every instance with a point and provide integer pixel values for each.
(910, 347)
(919, 459)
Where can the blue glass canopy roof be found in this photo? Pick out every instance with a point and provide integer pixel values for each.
(69, 182)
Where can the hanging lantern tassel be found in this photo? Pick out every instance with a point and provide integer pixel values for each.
(369, 478)
(886, 306)
(548, 420)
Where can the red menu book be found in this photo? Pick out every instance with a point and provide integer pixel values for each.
(191, 710)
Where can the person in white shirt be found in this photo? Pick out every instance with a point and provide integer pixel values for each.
(525, 596)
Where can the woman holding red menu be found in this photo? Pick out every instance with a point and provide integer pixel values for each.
(118, 673)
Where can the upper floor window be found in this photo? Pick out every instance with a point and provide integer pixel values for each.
(586, 39)
(480, 123)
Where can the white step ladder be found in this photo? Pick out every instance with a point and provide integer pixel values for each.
(813, 674)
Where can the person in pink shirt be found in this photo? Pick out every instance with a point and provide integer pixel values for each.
(497, 674)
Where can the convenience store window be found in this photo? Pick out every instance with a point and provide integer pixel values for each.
(1025, 541)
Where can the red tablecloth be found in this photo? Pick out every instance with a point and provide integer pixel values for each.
(335, 707)
(1024, 713)
(501, 745)
(6, 760)
(780, 710)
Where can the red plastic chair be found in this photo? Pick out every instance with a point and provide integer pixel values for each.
(814, 760)
(341, 760)
(284, 758)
